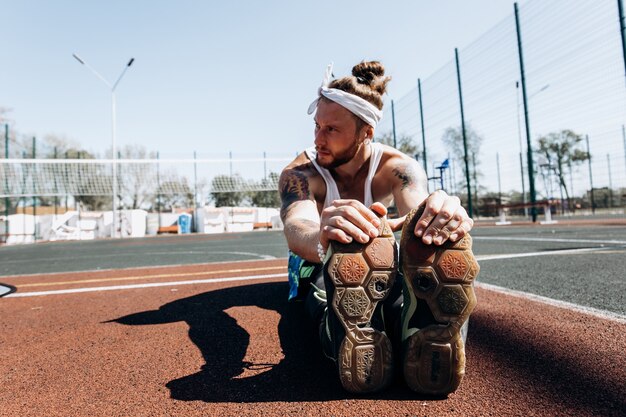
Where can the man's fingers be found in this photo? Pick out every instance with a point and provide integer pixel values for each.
(379, 209)
(434, 202)
(347, 226)
(462, 230)
(332, 233)
(368, 214)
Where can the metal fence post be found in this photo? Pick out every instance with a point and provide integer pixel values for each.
(593, 201)
(465, 156)
(531, 176)
(419, 92)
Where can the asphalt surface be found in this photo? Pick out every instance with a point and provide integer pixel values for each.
(200, 325)
(584, 265)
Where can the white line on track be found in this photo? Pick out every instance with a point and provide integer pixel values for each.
(542, 253)
(147, 285)
(603, 314)
(550, 239)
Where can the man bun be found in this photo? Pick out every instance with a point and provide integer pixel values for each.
(368, 81)
(372, 74)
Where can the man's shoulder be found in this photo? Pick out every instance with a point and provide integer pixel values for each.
(300, 164)
(393, 158)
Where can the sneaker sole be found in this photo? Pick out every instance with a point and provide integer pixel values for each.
(442, 276)
(363, 276)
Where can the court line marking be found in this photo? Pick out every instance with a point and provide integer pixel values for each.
(231, 271)
(542, 253)
(225, 271)
(603, 314)
(137, 268)
(155, 276)
(146, 285)
(550, 239)
(207, 252)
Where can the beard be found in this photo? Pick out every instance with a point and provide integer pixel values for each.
(340, 159)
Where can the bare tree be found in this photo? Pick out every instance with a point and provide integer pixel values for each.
(453, 140)
(404, 143)
(562, 149)
(136, 181)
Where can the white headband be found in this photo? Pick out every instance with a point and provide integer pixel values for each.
(363, 109)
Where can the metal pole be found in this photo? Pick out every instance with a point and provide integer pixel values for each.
(113, 151)
(114, 229)
(158, 193)
(608, 162)
(475, 182)
(195, 192)
(624, 139)
(499, 184)
(7, 202)
(465, 155)
(593, 201)
(622, 29)
(393, 123)
(571, 181)
(56, 189)
(419, 92)
(230, 162)
(66, 193)
(521, 151)
(531, 177)
(34, 196)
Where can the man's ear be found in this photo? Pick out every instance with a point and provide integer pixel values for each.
(368, 131)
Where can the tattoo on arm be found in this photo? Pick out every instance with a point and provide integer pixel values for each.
(407, 175)
(294, 187)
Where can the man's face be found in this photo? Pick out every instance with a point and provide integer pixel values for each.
(336, 136)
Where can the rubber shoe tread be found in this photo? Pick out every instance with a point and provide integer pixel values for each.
(438, 300)
(361, 276)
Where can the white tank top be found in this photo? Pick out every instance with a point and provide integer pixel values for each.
(332, 193)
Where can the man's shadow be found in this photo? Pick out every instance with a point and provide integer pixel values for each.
(302, 375)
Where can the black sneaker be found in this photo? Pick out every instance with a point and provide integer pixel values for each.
(358, 277)
(438, 296)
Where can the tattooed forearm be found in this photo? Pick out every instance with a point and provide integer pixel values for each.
(294, 186)
(407, 175)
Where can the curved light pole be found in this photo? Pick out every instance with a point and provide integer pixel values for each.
(114, 150)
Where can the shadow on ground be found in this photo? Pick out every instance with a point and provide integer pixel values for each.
(542, 364)
(304, 374)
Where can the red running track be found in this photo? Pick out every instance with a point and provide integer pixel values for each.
(235, 348)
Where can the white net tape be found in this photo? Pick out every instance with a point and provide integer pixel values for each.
(85, 177)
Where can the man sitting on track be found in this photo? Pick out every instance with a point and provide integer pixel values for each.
(334, 198)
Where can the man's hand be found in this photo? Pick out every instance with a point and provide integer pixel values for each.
(443, 219)
(348, 220)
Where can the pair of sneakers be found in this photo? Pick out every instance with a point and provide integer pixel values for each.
(438, 297)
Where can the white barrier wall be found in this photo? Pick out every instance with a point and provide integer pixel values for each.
(21, 229)
(240, 219)
(211, 220)
(74, 225)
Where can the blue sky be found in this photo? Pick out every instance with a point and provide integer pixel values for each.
(212, 77)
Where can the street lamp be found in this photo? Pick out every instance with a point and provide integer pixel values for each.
(114, 150)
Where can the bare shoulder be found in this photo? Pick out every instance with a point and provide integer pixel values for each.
(300, 168)
(401, 170)
(297, 182)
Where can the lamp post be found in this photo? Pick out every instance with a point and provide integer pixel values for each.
(114, 150)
